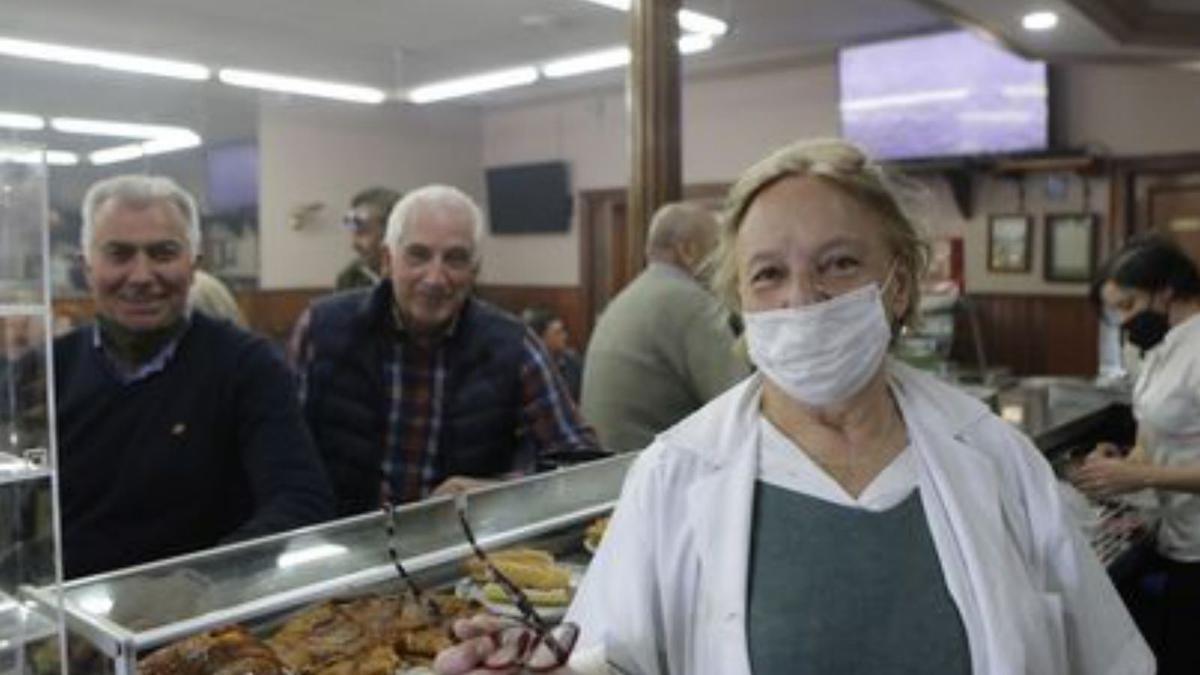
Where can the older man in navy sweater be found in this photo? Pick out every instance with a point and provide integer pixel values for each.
(176, 431)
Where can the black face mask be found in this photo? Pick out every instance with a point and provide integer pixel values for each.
(1146, 328)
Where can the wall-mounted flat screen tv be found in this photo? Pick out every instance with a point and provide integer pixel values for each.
(943, 95)
(524, 198)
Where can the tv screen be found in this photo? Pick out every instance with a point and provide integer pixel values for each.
(529, 198)
(949, 94)
(233, 177)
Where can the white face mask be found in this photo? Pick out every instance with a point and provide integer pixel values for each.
(822, 353)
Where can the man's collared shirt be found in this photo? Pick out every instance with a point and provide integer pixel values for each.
(156, 364)
(415, 375)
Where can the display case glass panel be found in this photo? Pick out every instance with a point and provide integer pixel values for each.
(30, 632)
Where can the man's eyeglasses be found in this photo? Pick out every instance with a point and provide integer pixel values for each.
(355, 221)
(533, 644)
(431, 608)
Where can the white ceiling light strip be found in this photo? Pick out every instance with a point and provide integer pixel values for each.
(158, 146)
(302, 86)
(21, 121)
(590, 62)
(693, 22)
(50, 157)
(75, 125)
(130, 63)
(474, 84)
(615, 57)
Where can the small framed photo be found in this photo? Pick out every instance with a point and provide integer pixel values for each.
(1009, 242)
(1070, 247)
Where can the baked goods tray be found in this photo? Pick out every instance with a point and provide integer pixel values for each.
(126, 613)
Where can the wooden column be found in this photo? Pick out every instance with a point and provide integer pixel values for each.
(654, 118)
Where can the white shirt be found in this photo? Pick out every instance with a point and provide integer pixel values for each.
(1166, 403)
(666, 593)
(782, 464)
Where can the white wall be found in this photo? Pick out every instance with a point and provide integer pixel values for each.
(325, 153)
(727, 124)
(730, 121)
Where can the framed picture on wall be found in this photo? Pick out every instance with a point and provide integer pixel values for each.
(1009, 242)
(1070, 247)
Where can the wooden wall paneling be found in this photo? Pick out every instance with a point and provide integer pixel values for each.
(1032, 334)
(565, 301)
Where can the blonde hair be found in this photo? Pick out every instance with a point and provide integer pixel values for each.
(846, 167)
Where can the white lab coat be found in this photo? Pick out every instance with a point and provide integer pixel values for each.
(666, 592)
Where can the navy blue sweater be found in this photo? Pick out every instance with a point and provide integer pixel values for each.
(211, 449)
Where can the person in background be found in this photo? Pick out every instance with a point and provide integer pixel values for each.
(663, 346)
(1151, 288)
(210, 296)
(176, 432)
(838, 511)
(366, 220)
(549, 327)
(416, 387)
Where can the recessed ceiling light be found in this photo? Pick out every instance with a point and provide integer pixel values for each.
(132, 63)
(303, 86)
(1038, 21)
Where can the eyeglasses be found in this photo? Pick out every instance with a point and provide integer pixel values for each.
(434, 613)
(533, 644)
(355, 221)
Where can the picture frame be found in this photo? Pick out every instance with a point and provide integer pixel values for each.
(1070, 247)
(1010, 243)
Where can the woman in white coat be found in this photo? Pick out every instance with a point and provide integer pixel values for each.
(838, 512)
(1153, 289)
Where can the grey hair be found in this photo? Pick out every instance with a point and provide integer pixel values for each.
(139, 189)
(441, 199)
(847, 168)
(677, 222)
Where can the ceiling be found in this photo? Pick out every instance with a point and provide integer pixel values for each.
(396, 44)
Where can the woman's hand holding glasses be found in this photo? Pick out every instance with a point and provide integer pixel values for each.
(492, 645)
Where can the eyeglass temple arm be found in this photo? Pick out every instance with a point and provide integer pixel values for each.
(516, 594)
(390, 513)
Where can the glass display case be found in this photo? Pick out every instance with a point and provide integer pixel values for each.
(126, 613)
(31, 633)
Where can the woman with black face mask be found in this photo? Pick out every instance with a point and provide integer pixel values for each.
(1152, 287)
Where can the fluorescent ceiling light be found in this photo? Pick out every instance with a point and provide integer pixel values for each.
(693, 22)
(1037, 21)
(61, 158)
(21, 156)
(181, 140)
(11, 120)
(690, 44)
(614, 57)
(903, 100)
(587, 63)
(302, 86)
(121, 153)
(132, 63)
(50, 157)
(475, 84)
(74, 125)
